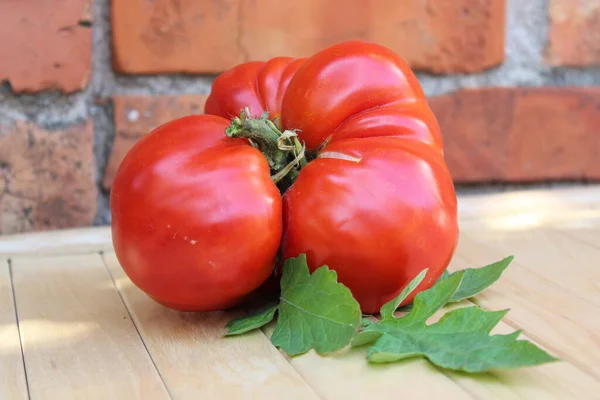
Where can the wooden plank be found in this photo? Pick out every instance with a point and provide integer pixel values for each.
(348, 375)
(12, 371)
(560, 259)
(574, 212)
(591, 237)
(541, 200)
(78, 339)
(194, 359)
(559, 380)
(68, 241)
(567, 218)
(550, 311)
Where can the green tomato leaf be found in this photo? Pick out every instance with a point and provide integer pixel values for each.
(445, 275)
(366, 336)
(366, 321)
(315, 311)
(460, 341)
(387, 310)
(476, 280)
(408, 307)
(429, 301)
(252, 321)
(425, 305)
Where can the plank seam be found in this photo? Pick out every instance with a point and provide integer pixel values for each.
(135, 326)
(288, 359)
(446, 373)
(574, 237)
(318, 395)
(464, 389)
(536, 339)
(14, 299)
(521, 264)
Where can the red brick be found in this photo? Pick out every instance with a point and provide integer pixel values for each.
(45, 44)
(206, 36)
(47, 179)
(519, 134)
(574, 33)
(135, 116)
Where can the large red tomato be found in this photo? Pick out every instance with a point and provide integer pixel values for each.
(196, 219)
(376, 203)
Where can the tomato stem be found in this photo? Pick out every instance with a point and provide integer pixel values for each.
(289, 167)
(283, 150)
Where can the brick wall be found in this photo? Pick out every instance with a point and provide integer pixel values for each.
(515, 84)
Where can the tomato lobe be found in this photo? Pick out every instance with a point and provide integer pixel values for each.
(196, 220)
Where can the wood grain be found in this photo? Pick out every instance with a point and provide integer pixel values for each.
(547, 252)
(550, 311)
(348, 375)
(590, 237)
(553, 381)
(12, 371)
(197, 362)
(86, 332)
(78, 339)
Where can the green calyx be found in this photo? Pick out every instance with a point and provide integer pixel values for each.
(283, 150)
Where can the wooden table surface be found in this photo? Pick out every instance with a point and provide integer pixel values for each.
(72, 326)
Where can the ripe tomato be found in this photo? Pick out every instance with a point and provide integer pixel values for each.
(376, 203)
(196, 219)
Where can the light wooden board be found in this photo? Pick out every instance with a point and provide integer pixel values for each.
(540, 202)
(12, 372)
(78, 339)
(563, 260)
(67, 241)
(348, 375)
(588, 236)
(548, 310)
(569, 220)
(554, 284)
(557, 381)
(88, 332)
(196, 362)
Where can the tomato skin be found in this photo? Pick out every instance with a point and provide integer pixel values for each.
(377, 222)
(378, 203)
(380, 221)
(341, 82)
(260, 86)
(196, 219)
